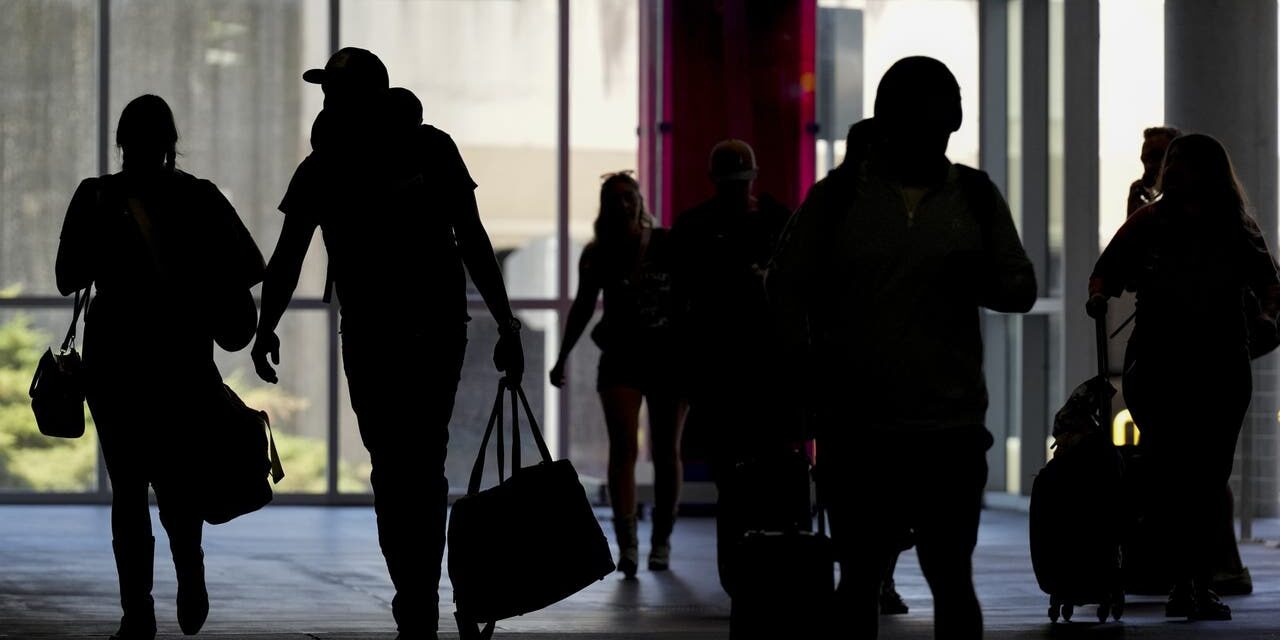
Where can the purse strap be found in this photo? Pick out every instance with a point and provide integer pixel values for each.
(139, 215)
(496, 423)
(79, 306)
(277, 469)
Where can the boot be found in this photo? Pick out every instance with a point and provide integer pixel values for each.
(134, 563)
(660, 541)
(891, 603)
(193, 597)
(624, 530)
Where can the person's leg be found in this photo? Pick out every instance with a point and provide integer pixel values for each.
(403, 406)
(948, 479)
(132, 542)
(185, 528)
(666, 421)
(622, 419)
(860, 490)
(891, 602)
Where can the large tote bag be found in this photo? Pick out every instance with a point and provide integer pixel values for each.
(526, 543)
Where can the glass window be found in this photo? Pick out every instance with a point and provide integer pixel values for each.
(29, 461)
(604, 85)
(860, 39)
(298, 405)
(472, 404)
(1130, 99)
(486, 74)
(48, 131)
(232, 73)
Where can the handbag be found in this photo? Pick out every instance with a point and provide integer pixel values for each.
(526, 543)
(240, 459)
(58, 387)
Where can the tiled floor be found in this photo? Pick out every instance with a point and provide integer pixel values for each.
(298, 572)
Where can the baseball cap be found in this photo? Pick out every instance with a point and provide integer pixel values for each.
(733, 160)
(353, 67)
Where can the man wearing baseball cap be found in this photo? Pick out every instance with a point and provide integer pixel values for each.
(397, 210)
(722, 246)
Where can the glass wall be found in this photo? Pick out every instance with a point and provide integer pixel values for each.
(885, 31)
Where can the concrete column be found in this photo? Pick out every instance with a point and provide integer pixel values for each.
(1220, 79)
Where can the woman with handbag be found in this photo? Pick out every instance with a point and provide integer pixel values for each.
(630, 261)
(1191, 257)
(172, 264)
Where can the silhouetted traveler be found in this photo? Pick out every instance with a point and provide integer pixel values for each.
(1190, 256)
(398, 228)
(858, 144)
(882, 274)
(722, 247)
(630, 261)
(1143, 191)
(158, 244)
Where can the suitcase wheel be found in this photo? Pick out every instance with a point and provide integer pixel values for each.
(1104, 610)
(1067, 610)
(1054, 607)
(1117, 607)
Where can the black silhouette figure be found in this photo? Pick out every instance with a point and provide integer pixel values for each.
(1143, 191)
(161, 247)
(397, 211)
(733, 358)
(881, 274)
(859, 142)
(631, 261)
(1190, 256)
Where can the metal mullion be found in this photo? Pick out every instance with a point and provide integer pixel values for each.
(334, 410)
(104, 157)
(562, 211)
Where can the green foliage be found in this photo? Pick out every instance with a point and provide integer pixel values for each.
(30, 461)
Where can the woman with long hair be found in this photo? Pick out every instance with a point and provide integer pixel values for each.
(630, 261)
(160, 247)
(1193, 257)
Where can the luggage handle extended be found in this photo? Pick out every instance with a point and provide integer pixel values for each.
(495, 421)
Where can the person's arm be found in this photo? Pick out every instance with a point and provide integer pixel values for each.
(1011, 285)
(76, 246)
(584, 306)
(481, 262)
(1112, 270)
(794, 271)
(283, 272)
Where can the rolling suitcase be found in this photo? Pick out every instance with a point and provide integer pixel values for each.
(1078, 511)
(784, 578)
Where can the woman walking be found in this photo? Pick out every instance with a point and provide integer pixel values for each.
(630, 261)
(172, 264)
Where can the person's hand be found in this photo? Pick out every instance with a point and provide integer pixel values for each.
(1096, 307)
(508, 356)
(266, 345)
(557, 375)
(1139, 196)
